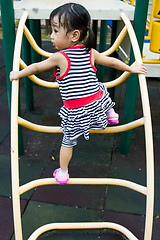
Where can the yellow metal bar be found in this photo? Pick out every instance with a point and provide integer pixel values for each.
(34, 44)
(117, 81)
(44, 83)
(151, 61)
(132, 36)
(148, 133)
(147, 38)
(82, 225)
(46, 54)
(117, 42)
(56, 129)
(85, 181)
(151, 21)
(132, 2)
(14, 133)
(39, 81)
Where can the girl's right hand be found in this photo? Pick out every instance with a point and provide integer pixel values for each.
(14, 75)
(138, 68)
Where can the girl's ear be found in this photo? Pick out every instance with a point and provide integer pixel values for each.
(75, 35)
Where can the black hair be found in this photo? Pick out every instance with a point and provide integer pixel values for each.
(74, 16)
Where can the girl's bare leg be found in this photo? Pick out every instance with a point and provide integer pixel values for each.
(65, 157)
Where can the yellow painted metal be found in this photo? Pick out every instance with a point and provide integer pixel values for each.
(54, 129)
(117, 42)
(39, 81)
(44, 83)
(151, 61)
(86, 181)
(34, 44)
(148, 133)
(145, 120)
(157, 9)
(155, 37)
(117, 81)
(82, 225)
(150, 22)
(14, 133)
(132, 2)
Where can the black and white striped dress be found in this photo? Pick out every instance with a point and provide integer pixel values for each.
(86, 100)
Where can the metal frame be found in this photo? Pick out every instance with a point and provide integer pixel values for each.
(17, 190)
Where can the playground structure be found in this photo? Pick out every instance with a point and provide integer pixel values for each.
(151, 57)
(145, 121)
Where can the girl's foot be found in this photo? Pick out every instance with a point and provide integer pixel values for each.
(112, 117)
(61, 177)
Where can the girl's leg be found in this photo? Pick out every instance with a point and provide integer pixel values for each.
(61, 174)
(65, 156)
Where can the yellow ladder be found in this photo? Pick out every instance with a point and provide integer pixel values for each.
(145, 120)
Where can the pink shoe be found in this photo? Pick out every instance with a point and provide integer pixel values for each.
(113, 118)
(61, 178)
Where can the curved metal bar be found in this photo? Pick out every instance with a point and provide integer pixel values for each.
(47, 84)
(85, 181)
(151, 61)
(57, 129)
(14, 132)
(82, 225)
(117, 42)
(43, 83)
(34, 44)
(148, 132)
(117, 81)
(39, 81)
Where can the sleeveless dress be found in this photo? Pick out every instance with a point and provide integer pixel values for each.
(86, 100)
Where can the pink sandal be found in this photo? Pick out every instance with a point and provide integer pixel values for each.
(61, 178)
(113, 118)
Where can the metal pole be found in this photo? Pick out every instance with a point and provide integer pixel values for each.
(111, 71)
(8, 28)
(26, 52)
(140, 17)
(102, 47)
(36, 33)
(95, 28)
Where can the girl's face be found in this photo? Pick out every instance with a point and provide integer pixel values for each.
(60, 39)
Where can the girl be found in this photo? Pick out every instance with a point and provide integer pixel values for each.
(87, 104)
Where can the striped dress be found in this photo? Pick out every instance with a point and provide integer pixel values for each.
(85, 99)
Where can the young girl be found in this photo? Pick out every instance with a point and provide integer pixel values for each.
(87, 104)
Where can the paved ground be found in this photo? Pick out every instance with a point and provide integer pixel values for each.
(98, 157)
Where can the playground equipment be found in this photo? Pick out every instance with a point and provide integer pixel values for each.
(151, 48)
(155, 34)
(145, 121)
(151, 57)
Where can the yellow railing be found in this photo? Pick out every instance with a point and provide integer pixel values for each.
(131, 1)
(149, 29)
(149, 21)
(145, 121)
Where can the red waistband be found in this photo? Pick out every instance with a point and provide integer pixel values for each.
(76, 103)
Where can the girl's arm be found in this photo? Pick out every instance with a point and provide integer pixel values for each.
(35, 68)
(116, 63)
